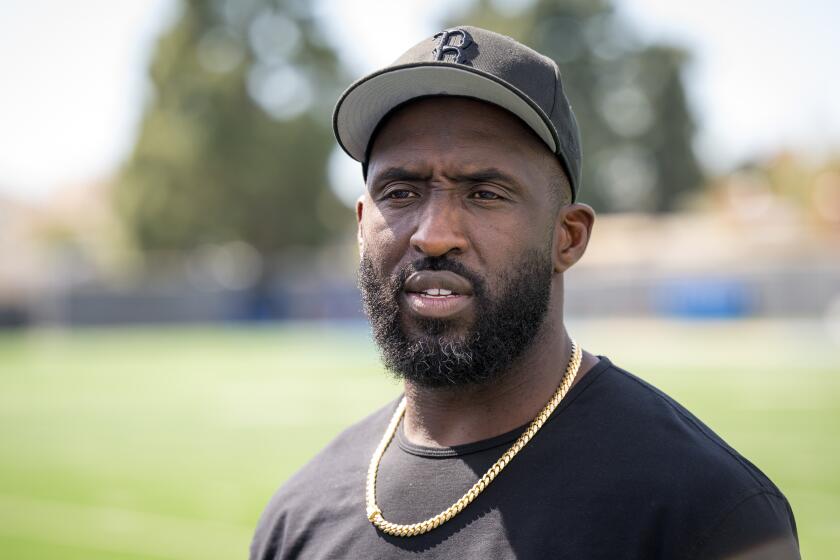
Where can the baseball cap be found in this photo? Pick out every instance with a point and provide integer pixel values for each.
(465, 61)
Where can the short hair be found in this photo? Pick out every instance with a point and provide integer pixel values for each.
(561, 190)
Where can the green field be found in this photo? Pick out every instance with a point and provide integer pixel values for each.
(165, 443)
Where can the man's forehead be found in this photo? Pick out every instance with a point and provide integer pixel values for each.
(454, 120)
(447, 107)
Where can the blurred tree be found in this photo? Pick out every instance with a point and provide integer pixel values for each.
(629, 99)
(235, 140)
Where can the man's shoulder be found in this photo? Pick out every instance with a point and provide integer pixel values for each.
(665, 461)
(340, 463)
(662, 432)
(325, 491)
(674, 459)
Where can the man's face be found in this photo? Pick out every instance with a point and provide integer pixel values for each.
(456, 230)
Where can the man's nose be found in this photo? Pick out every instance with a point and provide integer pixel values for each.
(440, 228)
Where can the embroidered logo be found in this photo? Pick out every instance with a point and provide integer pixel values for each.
(451, 45)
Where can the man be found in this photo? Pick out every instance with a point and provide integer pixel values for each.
(510, 442)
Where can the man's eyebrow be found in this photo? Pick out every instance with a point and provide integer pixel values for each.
(484, 175)
(400, 174)
(488, 174)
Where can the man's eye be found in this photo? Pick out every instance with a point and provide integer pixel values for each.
(486, 195)
(399, 194)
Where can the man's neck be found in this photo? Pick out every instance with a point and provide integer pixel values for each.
(448, 416)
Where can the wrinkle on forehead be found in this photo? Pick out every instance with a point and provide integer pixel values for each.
(455, 122)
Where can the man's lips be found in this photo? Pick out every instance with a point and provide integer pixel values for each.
(438, 283)
(437, 294)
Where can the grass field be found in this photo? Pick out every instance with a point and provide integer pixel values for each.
(165, 443)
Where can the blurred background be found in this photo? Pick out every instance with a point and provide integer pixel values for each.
(179, 323)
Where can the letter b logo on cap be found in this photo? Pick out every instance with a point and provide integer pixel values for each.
(447, 46)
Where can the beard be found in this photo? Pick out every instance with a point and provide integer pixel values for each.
(504, 325)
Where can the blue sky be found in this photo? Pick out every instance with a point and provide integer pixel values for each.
(763, 76)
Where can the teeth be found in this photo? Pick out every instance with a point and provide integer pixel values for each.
(437, 292)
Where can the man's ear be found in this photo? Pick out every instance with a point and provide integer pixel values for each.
(360, 208)
(572, 231)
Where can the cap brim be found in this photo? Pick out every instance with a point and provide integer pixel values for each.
(367, 101)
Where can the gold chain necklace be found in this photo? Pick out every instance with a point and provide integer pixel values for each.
(395, 529)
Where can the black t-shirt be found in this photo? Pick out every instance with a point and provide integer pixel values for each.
(620, 470)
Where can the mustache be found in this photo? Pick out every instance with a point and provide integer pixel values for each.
(400, 276)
